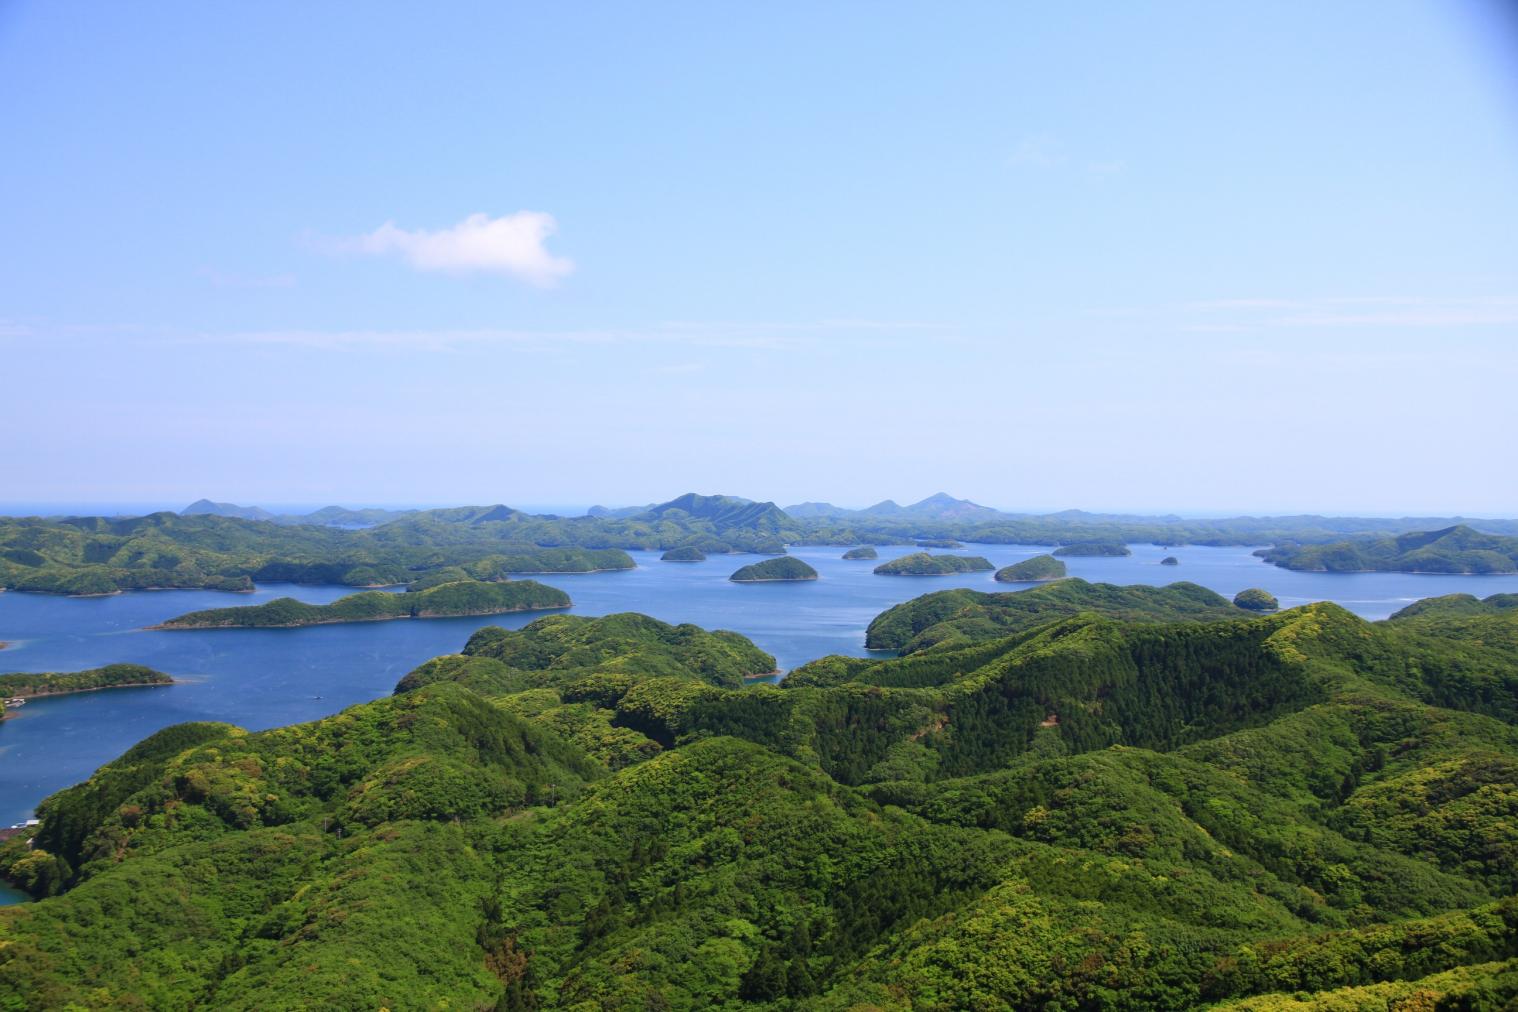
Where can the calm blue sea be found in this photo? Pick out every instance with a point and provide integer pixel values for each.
(266, 678)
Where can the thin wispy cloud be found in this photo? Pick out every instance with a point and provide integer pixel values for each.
(787, 335)
(1045, 151)
(223, 279)
(513, 246)
(1352, 311)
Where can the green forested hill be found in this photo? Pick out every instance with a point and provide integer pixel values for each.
(771, 570)
(1034, 570)
(1113, 798)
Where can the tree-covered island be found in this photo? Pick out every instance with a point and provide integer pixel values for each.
(1034, 570)
(774, 570)
(448, 600)
(925, 564)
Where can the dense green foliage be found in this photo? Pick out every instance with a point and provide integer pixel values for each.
(963, 616)
(1086, 797)
(463, 597)
(866, 552)
(111, 676)
(1457, 549)
(774, 569)
(1078, 549)
(925, 564)
(1034, 570)
(689, 553)
(1255, 599)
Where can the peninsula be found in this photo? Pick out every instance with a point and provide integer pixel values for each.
(448, 600)
(54, 683)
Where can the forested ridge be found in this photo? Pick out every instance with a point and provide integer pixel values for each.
(204, 549)
(1075, 797)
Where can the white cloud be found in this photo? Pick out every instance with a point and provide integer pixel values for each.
(511, 245)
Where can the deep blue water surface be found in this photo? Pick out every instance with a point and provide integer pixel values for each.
(269, 677)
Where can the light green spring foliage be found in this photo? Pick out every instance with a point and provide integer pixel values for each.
(1112, 807)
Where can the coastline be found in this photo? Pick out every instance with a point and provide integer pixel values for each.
(778, 579)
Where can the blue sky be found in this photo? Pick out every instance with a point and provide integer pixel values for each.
(1190, 256)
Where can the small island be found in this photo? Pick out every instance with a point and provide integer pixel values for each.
(855, 554)
(1255, 599)
(923, 564)
(785, 568)
(690, 553)
(1170, 560)
(1087, 549)
(448, 600)
(16, 688)
(1034, 570)
(939, 543)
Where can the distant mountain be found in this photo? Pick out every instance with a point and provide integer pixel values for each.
(725, 511)
(471, 514)
(341, 516)
(620, 513)
(939, 506)
(815, 511)
(942, 506)
(205, 507)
